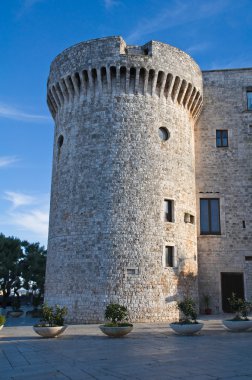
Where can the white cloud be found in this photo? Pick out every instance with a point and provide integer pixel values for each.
(7, 161)
(110, 3)
(19, 199)
(197, 48)
(178, 13)
(10, 112)
(27, 217)
(35, 221)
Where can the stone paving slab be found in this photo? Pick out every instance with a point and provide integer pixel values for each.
(150, 352)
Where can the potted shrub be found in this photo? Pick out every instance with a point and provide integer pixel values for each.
(16, 311)
(241, 308)
(117, 315)
(52, 322)
(206, 300)
(188, 324)
(2, 321)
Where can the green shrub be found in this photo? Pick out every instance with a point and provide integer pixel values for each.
(53, 315)
(239, 306)
(188, 309)
(116, 314)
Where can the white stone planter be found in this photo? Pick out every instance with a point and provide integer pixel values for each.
(117, 331)
(49, 332)
(16, 314)
(1, 326)
(186, 329)
(237, 325)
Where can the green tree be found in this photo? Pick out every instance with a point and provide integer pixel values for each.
(11, 256)
(21, 264)
(33, 267)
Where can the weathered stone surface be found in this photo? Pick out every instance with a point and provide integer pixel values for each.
(225, 173)
(112, 172)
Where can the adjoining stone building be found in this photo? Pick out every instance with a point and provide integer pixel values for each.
(139, 176)
(223, 151)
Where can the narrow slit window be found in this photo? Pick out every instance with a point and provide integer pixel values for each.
(60, 141)
(169, 256)
(168, 210)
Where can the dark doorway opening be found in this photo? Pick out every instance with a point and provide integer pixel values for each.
(231, 283)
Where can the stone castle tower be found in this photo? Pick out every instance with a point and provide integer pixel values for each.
(123, 202)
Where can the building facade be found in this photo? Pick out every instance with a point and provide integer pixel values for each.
(139, 176)
(223, 141)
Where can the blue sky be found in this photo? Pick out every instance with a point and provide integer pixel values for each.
(217, 34)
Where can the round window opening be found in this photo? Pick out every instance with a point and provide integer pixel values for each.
(60, 141)
(164, 134)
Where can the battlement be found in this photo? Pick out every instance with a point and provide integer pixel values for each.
(108, 67)
(115, 80)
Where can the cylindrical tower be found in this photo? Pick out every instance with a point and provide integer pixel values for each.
(122, 217)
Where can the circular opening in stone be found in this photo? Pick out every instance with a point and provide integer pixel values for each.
(164, 134)
(60, 141)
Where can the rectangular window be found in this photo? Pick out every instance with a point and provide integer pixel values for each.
(169, 256)
(131, 271)
(221, 138)
(188, 218)
(191, 219)
(248, 258)
(168, 210)
(210, 216)
(249, 100)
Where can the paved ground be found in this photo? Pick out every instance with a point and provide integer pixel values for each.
(151, 351)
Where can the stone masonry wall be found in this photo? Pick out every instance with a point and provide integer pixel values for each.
(112, 172)
(225, 173)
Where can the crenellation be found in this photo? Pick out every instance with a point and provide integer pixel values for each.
(97, 83)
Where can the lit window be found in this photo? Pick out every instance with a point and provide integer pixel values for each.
(168, 210)
(210, 216)
(249, 100)
(221, 138)
(169, 256)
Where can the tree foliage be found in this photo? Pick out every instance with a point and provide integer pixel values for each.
(116, 313)
(239, 306)
(188, 308)
(11, 256)
(22, 264)
(53, 315)
(33, 266)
